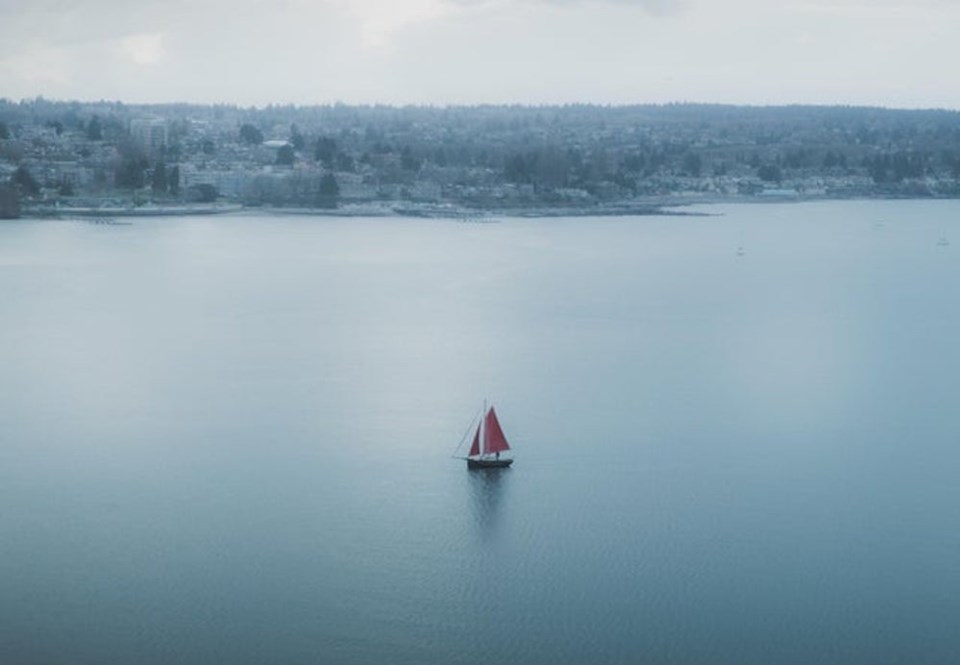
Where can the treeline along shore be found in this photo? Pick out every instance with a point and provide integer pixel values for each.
(536, 160)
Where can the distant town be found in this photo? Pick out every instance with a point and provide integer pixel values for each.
(114, 158)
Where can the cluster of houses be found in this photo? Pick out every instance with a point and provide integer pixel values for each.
(483, 157)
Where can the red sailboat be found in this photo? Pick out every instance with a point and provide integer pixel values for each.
(488, 442)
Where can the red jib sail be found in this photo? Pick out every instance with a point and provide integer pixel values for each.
(494, 440)
(475, 446)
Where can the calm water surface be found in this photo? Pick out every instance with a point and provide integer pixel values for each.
(227, 440)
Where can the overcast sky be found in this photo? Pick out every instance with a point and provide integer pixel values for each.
(901, 53)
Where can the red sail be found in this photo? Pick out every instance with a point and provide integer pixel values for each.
(493, 439)
(475, 446)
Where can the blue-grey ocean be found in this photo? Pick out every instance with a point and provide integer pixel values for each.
(228, 439)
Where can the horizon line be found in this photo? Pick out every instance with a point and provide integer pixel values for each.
(464, 105)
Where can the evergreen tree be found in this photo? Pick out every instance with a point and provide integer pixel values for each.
(325, 151)
(408, 162)
(516, 169)
(328, 192)
(770, 173)
(250, 134)
(692, 164)
(158, 182)
(9, 201)
(94, 129)
(25, 181)
(173, 180)
(296, 138)
(345, 162)
(285, 155)
(130, 171)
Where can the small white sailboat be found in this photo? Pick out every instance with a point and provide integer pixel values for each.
(488, 443)
(943, 242)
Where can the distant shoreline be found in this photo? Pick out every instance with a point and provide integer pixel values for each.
(128, 211)
(666, 207)
(399, 210)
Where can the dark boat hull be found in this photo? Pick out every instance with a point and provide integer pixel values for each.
(488, 463)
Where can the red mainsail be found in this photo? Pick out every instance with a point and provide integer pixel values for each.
(475, 446)
(494, 440)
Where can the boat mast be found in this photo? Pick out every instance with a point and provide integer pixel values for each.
(483, 429)
(484, 435)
